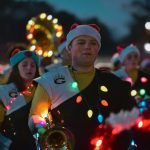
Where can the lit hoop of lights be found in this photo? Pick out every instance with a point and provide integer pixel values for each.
(44, 33)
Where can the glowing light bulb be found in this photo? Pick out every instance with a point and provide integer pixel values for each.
(141, 110)
(104, 102)
(98, 143)
(140, 124)
(78, 99)
(43, 15)
(144, 79)
(142, 91)
(142, 104)
(100, 118)
(74, 85)
(103, 88)
(133, 93)
(49, 17)
(7, 107)
(90, 113)
(133, 144)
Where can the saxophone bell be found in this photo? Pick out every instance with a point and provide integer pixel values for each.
(57, 138)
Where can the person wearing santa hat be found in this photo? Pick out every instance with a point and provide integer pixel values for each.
(15, 101)
(129, 58)
(81, 97)
(131, 72)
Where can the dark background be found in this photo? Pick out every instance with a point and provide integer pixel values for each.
(14, 16)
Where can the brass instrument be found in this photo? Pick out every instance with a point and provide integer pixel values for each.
(44, 33)
(56, 137)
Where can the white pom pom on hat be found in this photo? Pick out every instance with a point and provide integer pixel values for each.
(129, 49)
(86, 29)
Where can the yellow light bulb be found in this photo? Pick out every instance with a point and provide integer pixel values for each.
(90, 113)
(103, 88)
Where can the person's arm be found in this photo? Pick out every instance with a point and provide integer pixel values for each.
(39, 109)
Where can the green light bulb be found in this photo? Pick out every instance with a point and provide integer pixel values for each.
(142, 92)
(74, 85)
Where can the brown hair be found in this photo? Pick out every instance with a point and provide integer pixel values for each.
(16, 78)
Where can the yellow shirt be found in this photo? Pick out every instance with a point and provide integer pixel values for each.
(2, 112)
(83, 79)
(41, 101)
(133, 74)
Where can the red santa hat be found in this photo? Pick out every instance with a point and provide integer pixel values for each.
(78, 30)
(125, 51)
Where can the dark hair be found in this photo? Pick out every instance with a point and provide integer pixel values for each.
(17, 80)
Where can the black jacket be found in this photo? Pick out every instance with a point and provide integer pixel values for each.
(75, 115)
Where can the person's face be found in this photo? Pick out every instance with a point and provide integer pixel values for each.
(84, 50)
(27, 69)
(131, 61)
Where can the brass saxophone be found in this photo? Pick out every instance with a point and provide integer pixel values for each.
(56, 137)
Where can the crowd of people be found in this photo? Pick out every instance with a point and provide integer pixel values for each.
(74, 105)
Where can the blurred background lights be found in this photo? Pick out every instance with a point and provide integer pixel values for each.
(133, 93)
(147, 47)
(144, 79)
(142, 91)
(147, 25)
(98, 143)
